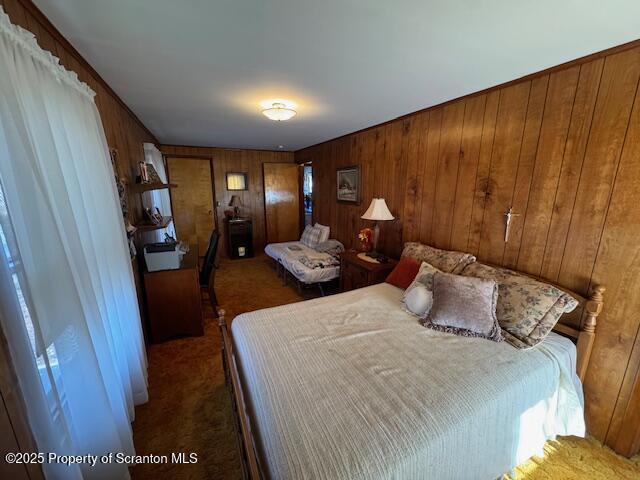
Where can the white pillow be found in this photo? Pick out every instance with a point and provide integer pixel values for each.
(324, 232)
(419, 300)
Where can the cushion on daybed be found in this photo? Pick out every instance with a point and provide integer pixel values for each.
(324, 232)
(332, 247)
(311, 236)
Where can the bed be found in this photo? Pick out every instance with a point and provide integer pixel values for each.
(352, 386)
(288, 254)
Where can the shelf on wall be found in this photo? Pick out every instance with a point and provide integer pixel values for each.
(145, 187)
(147, 227)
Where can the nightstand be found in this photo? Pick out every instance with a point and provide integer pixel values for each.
(357, 273)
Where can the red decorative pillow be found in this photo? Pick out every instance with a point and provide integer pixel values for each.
(404, 273)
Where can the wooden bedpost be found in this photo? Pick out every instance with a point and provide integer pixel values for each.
(587, 334)
(221, 320)
(222, 323)
(251, 468)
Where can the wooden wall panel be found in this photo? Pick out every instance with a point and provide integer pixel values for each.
(576, 144)
(467, 171)
(482, 190)
(447, 171)
(428, 200)
(562, 148)
(512, 114)
(225, 160)
(548, 162)
(522, 183)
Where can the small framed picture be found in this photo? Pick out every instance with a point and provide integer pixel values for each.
(237, 181)
(348, 185)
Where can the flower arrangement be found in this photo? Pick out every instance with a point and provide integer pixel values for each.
(366, 239)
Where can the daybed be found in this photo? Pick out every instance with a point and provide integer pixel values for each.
(308, 266)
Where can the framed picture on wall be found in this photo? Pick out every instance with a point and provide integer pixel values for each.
(348, 184)
(237, 181)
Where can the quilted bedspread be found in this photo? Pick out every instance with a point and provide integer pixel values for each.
(353, 387)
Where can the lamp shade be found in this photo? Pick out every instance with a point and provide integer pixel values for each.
(378, 210)
(235, 201)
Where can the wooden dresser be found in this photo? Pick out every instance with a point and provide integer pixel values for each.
(239, 237)
(358, 273)
(174, 307)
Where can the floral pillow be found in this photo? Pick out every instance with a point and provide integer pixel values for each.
(527, 309)
(423, 279)
(447, 261)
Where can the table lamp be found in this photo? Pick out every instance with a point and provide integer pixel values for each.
(377, 211)
(236, 203)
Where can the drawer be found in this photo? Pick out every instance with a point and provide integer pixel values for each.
(239, 228)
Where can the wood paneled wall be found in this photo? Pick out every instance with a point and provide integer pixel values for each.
(563, 149)
(233, 160)
(123, 129)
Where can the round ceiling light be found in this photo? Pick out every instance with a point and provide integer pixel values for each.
(279, 112)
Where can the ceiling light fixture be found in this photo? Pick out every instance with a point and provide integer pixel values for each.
(279, 112)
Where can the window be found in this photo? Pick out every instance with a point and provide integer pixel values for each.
(46, 357)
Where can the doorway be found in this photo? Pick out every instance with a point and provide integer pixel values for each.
(192, 200)
(307, 193)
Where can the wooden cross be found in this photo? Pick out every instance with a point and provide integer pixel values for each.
(508, 216)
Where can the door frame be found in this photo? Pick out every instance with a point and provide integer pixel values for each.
(302, 209)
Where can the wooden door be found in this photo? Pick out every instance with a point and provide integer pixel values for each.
(192, 200)
(282, 201)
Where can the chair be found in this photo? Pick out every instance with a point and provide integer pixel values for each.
(209, 265)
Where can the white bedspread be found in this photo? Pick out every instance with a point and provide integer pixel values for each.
(290, 259)
(353, 387)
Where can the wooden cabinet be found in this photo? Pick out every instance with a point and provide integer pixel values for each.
(173, 300)
(357, 273)
(239, 237)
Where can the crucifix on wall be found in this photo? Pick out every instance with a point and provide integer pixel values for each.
(508, 217)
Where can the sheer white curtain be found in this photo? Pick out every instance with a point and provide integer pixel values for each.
(67, 297)
(157, 198)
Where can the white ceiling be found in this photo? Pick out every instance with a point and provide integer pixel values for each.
(195, 71)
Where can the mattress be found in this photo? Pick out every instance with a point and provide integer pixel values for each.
(289, 259)
(353, 387)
